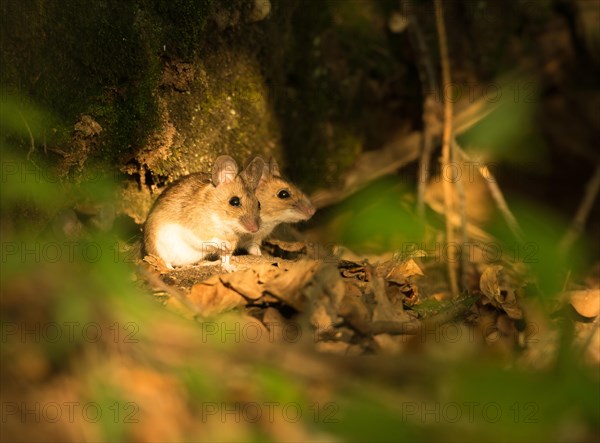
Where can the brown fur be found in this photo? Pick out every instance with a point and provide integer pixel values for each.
(275, 210)
(194, 202)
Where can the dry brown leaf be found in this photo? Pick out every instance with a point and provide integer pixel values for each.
(400, 285)
(212, 297)
(249, 282)
(401, 272)
(287, 246)
(586, 302)
(350, 269)
(287, 285)
(489, 282)
(500, 291)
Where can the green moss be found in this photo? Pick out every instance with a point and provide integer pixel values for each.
(226, 110)
(105, 59)
(184, 23)
(77, 57)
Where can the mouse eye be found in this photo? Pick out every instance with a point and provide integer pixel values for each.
(284, 193)
(235, 201)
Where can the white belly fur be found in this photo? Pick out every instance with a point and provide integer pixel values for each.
(178, 246)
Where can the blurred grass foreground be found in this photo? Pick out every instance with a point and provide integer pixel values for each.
(87, 355)
(90, 350)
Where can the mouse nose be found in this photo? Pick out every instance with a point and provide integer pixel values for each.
(306, 208)
(250, 224)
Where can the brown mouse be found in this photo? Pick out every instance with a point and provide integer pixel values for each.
(281, 202)
(200, 215)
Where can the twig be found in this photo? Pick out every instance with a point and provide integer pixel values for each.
(429, 86)
(425, 158)
(473, 231)
(497, 195)
(583, 212)
(31, 139)
(397, 153)
(416, 327)
(462, 212)
(446, 141)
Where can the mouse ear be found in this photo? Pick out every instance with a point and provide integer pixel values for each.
(273, 167)
(249, 160)
(225, 170)
(253, 172)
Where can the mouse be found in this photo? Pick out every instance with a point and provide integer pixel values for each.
(281, 202)
(202, 215)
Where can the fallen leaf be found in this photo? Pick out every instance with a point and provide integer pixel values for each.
(585, 302)
(349, 269)
(249, 282)
(488, 282)
(401, 272)
(212, 297)
(287, 284)
(497, 286)
(287, 246)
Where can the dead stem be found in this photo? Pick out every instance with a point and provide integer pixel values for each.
(429, 86)
(446, 144)
(497, 195)
(462, 212)
(394, 155)
(582, 213)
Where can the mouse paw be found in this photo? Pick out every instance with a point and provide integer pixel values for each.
(226, 264)
(254, 250)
